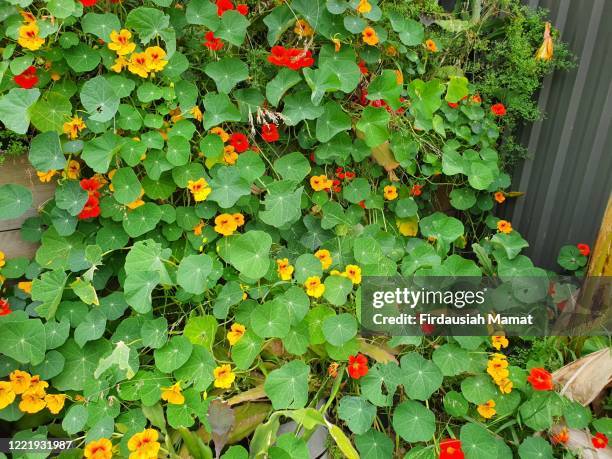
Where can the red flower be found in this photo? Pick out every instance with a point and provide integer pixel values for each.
(498, 109)
(451, 449)
(293, 58)
(337, 189)
(362, 204)
(358, 366)
(363, 97)
(223, 6)
(243, 9)
(349, 175)
(91, 185)
(269, 132)
(311, 157)
(428, 329)
(416, 190)
(212, 42)
(600, 441)
(540, 379)
(5, 307)
(362, 67)
(91, 209)
(452, 104)
(340, 175)
(239, 141)
(584, 249)
(88, 2)
(26, 79)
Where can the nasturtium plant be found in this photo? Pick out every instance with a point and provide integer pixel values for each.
(224, 178)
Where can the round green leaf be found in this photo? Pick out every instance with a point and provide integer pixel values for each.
(414, 422)
(339, 329)
(193, 272)
(15, 200)
(173, 354)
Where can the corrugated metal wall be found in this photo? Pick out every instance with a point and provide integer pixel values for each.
(568, 178)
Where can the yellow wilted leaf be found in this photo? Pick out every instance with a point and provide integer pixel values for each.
(545, 52)
(408, 226)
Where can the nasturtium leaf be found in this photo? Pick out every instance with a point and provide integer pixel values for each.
(331, 122)
(357, 412)
(149, 92)
(201, 330)
(420, 377)
(15, 108)
(154, 332)
(379, 376)
(81, 362)
(307, 265)
(138, 287)
(148, 255)
(147, 22)
(70, 197)
(287, 386)
(342, 64)
(99, 99)
(478, 443)
(298, 107)
(198, 370)
(462, 198)
(354, 24)
(406, 207)
(337, 288)
(98, 152)
(82, 58)
(284, 80)
(230, 294)
(202, 12)
(293, 166)
(339, 329)
(227, 187)
(56, 333)
(455, 404)
(576, 416)
(442, 227)
(296, 341)
(321, 81)
(270, 320)
(100, 25)
(142, 219)
(61, 9)
(414, 422)
(75, 419)
(50, 112)
(374, 125)
(511, 244)
(426, 98)
(245, 351)
(457, 89)
(386, 87)
(48, 289)
(232, 28)
(193, 271)
(451, 359)
(22, 339)
(249, 253)
(250, 166)
(374, 445)
(227, 73)
(15, 200)
(282, 204)
(279, 20)
(46, 152)
(535, 447)
(172, 355)
(92, 327)
(478, 389)
(219, 109)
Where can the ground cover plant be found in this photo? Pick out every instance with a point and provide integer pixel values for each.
(226, 174)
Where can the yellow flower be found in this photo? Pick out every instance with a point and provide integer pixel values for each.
(28, 17)
(173, 394)
(197, 230)
(221, 133)
(320, 182)
(353, 272)
(38, 386)
(55, 76)
(28, 37)
(136, 202)
(431, 45)
(225, 224)
(144, 445)
(45, 177)
(236, 332)
(229, 155)
(285, 270)
(73, 127)
(99, 449)
(497, 367)
(73, 171)
(7, 394)
(239, 219)
(487, 410)
(31, 402)
(25, 286)
(224, 376)
(392, 51)
(364, 7)
(120, 63)
(324, 257)
(199, 189)
(20, 381)
(369, 36)
(120, 42)
(337, 44)
(197, 113)
(314, 287)
(505, 385)
(390, 192)
(138, 65)
(2, 259)
(155, 59)
(504, 226)
(499, 342)
(55, 402)
(303, 29)
(399, 76)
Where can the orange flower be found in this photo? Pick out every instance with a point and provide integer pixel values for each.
(225, 224)
(144, 445)
(173, 394)
(487, 410)
(236, 333)
(431, 45)
(332, 370)
(369, 36)
(99, 449)
(504, 226)
(303, 29)
(320, 182)
(540, 379)
(390, 192)
(499, 196)
(138, 65)
(561, 437)
(197, 230)
(324, 257)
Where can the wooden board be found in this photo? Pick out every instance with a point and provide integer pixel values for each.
(19, 171)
